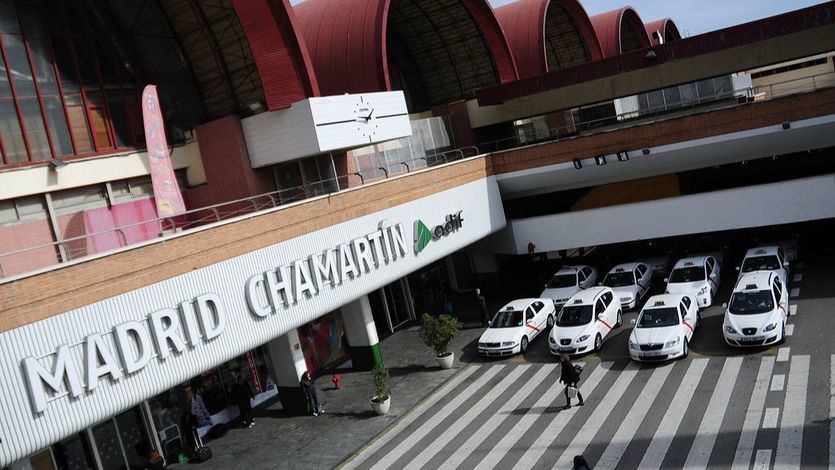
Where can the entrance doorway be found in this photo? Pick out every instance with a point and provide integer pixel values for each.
(392, 307)
(122, 441)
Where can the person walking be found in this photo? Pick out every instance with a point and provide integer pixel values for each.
(309, 390)
(242, 393)
(482, 306)
(570, 376)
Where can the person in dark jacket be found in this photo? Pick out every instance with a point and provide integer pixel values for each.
(242, 393)
(570, 377)
(309, 389)
(482, 307)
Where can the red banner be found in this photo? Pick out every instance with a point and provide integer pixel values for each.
(166, 192)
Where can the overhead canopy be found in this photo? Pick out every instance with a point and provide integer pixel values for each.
(620, 31)
(548, 35)
(664, 28)
(437, 51)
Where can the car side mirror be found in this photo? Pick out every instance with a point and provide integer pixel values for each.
(666, 279)
(736, 269)
(725, 306)
(545, 285)
(785, 264)
(489, 323)
(633, 321)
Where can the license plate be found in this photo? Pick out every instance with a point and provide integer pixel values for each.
(566, 349)
(756, 338)
(650, 354)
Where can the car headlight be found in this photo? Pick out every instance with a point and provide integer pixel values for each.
(730, 329)
(508, 343)
(633, 345)
(671, 343)
(625, 299)
(770, 327)
(582, 338)
(702, 290)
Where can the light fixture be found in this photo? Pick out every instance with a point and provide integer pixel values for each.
(623, 156)
(578, 164)
(601, 160)
(55, 164)
(650, 55)
(645, 151)
(787, 125)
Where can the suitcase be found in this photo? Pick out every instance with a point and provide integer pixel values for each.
(201, 453)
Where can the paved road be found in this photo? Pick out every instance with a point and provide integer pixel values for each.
(719, 408)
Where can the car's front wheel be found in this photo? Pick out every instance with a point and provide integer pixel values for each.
(550, 322)
(620, 319)
(523, 345)
(598, 343)
(685, 349)
(698, 319)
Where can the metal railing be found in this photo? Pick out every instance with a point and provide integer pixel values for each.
(739, 97)
(82, 246)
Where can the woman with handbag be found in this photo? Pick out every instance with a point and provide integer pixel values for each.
(570, 376)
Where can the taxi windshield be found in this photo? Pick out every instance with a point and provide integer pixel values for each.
(574, 315)
(751, 303)
(760, 263)
(691, 274)
(507, 319)
(619, 279)
(658, 317)
(562, 280)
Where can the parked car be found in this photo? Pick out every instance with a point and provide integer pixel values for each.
(568, 281)
(765, 258)
(664, 328)
(630, 282)
(514, 326)
(758, 310)
(585, 321)
(698, 276)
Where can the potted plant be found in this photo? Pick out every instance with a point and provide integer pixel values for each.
(382, 398)
(437, 333)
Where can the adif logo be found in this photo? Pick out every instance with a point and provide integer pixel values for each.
(423, 235)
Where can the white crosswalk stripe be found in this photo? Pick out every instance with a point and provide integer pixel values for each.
(783, 354)
(477, 420)
(484, 401)
(745, 447)
(790, 442)
(795, 292)
(832, 412)
(789, 330)
(545, 374)
(798, 277)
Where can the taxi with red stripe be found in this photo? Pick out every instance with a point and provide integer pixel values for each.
(585, 321)
(664, 328)
(758, 310)
(515, 325)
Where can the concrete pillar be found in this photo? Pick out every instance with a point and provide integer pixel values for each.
(362, 334)
(288, 362)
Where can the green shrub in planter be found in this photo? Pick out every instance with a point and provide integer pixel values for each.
(381, 383)
(438, 331)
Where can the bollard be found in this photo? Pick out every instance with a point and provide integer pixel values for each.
(337, 381)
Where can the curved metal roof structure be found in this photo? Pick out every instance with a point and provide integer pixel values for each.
(666, 28)
(548, 35)
(438, 51)
(620, 31)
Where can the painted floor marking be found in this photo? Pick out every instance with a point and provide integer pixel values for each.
(795, 292)
(558, 422)
(598, 417)
(485, 401)
(789, 330)
(790, 440)
(745, 447)
(436, 419)
(798, 277)
(709, 429)
(771, 418)
(478, 436)
(783, 354)
(777, 383)
(763, 460)
(410, 418)
(792, 310)
(832, 412)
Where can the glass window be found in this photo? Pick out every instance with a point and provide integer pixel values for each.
(562, 280)
(8, 17)
(575, 315)
(43, 65)
(656, 99)
(507, 319)
(121, 125)
(98, 122)
(619, 279)
(58, 125)
(78, 124)
(760, 263)
(686, 301)
(13, 144)
(658, 318)
(19, 65)
(672, 96)
(600, 306)
(691, 274)
(73, 453)
(683, 311)
(529, 314)
(751, 303)
(35, 131)
(705, 88)
(688, 93)
(31, 207)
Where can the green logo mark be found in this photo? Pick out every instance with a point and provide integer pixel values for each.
(422, 236)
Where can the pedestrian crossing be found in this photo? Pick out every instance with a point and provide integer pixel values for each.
(698, 413)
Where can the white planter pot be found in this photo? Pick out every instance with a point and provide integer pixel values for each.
(446, 361)
(381, 408)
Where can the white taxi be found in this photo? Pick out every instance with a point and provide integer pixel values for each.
(514, 326)
(765, 258)
(585, 321)
(698, 276)
(630, 282)
(664, 328)
(568, 281)
(758, 310)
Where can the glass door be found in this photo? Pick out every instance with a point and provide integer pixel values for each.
(122, 441)
(399, 303)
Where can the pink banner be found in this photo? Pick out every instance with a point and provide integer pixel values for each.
(166, 192)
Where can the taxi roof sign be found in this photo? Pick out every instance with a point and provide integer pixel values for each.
(658, 303)
(578, 301)
(688, 263)
(750, 286)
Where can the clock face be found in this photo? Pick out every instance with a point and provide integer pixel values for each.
(364, 115)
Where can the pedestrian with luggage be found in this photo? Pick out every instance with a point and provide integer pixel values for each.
(570, 376)
(242, 393)
(309, 390)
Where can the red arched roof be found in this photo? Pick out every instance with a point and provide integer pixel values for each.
(280, 54)
(664, 26)
(524, 23)
(347, 42)
(611, 26)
